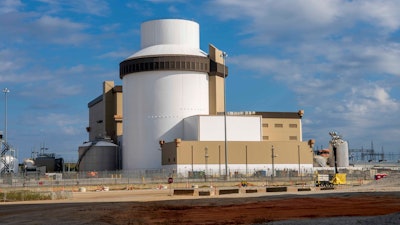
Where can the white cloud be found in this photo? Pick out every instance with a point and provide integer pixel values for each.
(166, 1)
(265, 65)
(7, 6)
(382, 13)
(370, 99)
(29, 28)
(61, 31)
(279, 21)
(338, 57)
(119, 54)
(91, 7)
(111, 27)
(62, 123)
(172, 9)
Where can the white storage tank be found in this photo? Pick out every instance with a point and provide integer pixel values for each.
(11, 162)
(165, 82)
(342, 154)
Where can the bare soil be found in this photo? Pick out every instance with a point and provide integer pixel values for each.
(257, 209)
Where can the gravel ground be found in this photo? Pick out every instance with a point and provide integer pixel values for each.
(389, 219)
(375, 203)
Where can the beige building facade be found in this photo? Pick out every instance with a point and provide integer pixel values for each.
(276, 145)
(105, 114)
(281, 148)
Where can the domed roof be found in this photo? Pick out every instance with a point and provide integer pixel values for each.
(157, 50)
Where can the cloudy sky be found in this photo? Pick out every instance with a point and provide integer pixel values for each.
(338, 60)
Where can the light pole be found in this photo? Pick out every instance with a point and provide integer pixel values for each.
(273, 162)
(272, 158)
(298, 154)
(335, 142)
(219, 159)
(206, 161)
(246, 162)
(224, 55)
(192, 159)
(5, 91)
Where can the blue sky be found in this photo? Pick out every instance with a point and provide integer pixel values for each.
(337, 60)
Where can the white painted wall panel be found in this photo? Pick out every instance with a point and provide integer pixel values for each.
(211, 128)
(155, 104)
(191, 128)
(170, 32)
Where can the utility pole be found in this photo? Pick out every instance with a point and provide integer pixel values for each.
(5, 91)
(224, 55)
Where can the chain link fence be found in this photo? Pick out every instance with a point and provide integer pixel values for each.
(67, 180)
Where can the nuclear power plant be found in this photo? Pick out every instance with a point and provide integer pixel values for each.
(170, 113)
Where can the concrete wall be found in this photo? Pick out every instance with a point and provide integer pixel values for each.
(281, 129)
(258, 155)
(96, 120)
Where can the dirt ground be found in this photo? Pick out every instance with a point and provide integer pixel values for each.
(160, 208)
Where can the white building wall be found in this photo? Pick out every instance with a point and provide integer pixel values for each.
(157, 32)
(211, 128)
(191, 128)
(156, 102)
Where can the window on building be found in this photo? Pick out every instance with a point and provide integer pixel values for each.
(293, 138)
(278, 125)
(265, 137)
(265, 124)
(293, 125)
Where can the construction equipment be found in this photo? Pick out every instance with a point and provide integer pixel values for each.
(327, 180)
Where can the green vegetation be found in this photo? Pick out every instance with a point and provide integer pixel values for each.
(13, 196)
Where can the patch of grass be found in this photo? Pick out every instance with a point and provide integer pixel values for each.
(14, 196)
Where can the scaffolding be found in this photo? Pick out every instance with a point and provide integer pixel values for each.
(7, 157)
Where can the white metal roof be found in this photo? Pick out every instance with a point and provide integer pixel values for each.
(168, 50)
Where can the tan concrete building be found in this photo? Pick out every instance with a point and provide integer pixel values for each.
(281, 148)
(256, 141)
(105, 114)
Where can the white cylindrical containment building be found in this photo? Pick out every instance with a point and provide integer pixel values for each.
(163, 83)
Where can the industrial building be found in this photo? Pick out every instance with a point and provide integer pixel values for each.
(171, 114)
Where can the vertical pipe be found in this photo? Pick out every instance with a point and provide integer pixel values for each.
(298, 155)
(246, 161)
(219, 159)
(334, 155)
(206, 162)
(192, 159)
(224, 55)
(273, 166)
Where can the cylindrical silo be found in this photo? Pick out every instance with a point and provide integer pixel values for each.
(165, 82)
(98, 156)
(9, 164)
(342, 155)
